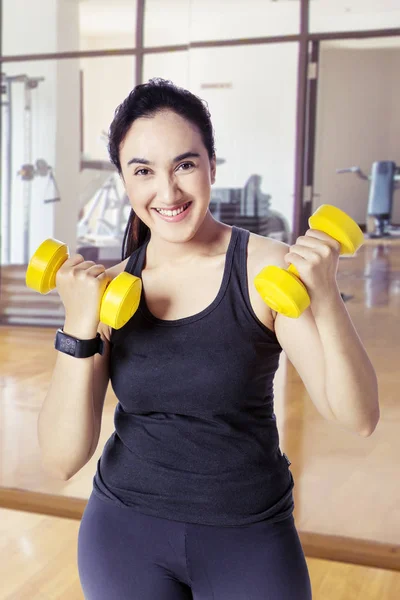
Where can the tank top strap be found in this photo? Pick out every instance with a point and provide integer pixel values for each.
(240, 281)
(231, 253)
(240, 258)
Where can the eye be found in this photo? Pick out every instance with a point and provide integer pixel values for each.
(141, 171)
(189, 165)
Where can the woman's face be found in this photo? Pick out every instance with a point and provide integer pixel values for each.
(167, 170)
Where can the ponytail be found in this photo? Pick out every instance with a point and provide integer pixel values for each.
(136, 233)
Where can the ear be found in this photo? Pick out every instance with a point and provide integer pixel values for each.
(213, 164)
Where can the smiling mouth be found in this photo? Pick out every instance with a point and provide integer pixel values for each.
(174, 212)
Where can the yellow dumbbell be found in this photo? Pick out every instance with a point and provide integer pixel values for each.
(120, 299)
(282, 289)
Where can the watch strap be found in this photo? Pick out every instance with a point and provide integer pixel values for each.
(73, 346)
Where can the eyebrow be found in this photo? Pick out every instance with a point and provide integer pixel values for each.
(143, 161)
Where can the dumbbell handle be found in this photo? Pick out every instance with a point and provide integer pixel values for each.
(348, 234)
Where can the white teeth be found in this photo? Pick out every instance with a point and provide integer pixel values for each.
(172, 213)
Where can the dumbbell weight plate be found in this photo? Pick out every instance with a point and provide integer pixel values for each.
(120, 300)
(44, 264)
(282, 291)
(338, 225)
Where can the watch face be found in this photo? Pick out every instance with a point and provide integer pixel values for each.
(67, 345)
(78, 348)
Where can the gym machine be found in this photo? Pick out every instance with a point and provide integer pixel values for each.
(28, 170)
(249, 208)
(384, 179)
(106, 198)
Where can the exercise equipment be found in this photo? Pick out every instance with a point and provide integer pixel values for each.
(281, 289)
(41, 168)
(384, 179)
(121, 297)
(250, 208)
(7, 90)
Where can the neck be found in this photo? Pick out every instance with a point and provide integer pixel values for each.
(206, 241)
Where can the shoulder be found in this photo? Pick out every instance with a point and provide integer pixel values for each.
(262, 252)
(112, 272)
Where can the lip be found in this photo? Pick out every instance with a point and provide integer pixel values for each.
(177, 218)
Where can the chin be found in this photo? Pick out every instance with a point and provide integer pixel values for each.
(178, 235)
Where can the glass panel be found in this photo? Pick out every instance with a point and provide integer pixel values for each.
(166, 28)
(254, 122)
(173, 66)
(353, 15)
(55, 167)
(202, 20)
(61, 26)
(225, 19)
(358, 125)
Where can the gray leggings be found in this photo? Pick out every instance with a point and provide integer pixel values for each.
(127, 555)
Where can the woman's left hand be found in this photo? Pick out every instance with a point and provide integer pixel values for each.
(316, 257)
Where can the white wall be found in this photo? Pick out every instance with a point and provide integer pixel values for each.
(191, 20)
(357, 123)
(107, 81)
(26, 28)
(353, 15)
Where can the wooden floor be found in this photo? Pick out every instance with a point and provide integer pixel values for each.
(347, 490)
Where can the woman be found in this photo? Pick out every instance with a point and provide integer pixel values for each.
(192, 497)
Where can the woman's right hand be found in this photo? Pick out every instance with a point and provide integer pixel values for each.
(81, 285)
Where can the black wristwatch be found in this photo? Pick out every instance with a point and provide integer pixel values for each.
(78, 348)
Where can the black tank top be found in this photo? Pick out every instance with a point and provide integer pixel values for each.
(195, 437)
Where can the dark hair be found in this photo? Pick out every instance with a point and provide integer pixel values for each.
(145, 100)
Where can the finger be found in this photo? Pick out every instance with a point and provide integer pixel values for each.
(322, 236)
(307, 254)
(297, 261)
(323, 247)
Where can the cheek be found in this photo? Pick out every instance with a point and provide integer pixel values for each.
(137, 193)
(202, 185)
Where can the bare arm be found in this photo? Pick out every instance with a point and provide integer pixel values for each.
(323, 344)
(327, 353)
(70, 418)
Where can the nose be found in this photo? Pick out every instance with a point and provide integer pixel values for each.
(168, 192)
